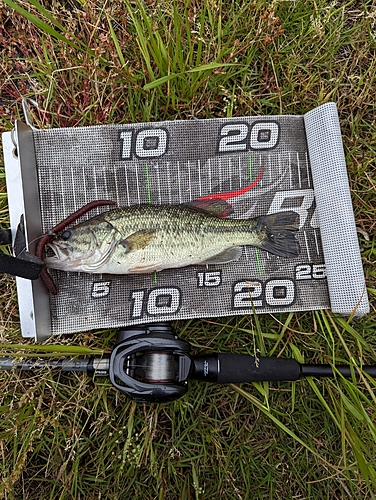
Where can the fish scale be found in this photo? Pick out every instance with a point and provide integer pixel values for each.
(147, 238)
(183, 236)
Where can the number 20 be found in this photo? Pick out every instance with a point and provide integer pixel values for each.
(241, 136)
(275, 292)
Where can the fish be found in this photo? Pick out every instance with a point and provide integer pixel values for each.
(147, 238)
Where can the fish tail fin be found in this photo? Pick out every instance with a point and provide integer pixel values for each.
(278, 232)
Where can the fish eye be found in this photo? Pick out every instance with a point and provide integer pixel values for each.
(66, 235)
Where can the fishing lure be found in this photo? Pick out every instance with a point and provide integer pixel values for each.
(47, 237)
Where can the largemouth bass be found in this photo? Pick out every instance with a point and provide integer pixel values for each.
(148, 238)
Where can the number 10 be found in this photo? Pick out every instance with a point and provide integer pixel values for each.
(146, 143)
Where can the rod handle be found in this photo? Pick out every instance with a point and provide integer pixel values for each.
(237, 368)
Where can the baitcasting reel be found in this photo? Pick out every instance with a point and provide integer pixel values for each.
(151, 364)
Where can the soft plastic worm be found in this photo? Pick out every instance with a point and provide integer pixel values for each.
(47, 237)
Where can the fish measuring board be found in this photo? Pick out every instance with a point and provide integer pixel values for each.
(182, 161)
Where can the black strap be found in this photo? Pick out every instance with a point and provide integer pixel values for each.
(25, 264)
(29, 269)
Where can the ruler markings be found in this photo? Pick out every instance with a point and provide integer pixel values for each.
(220, 174)
(317, 243)
(73, 190)
(127, 186)
(270, 168)
(307, 167)
(199, 177)
(210, 176)
(169, 183)
(306, 243)
(240, 172)
(95, 188)
(217, 176)
(158, 183)
(84, 183)
(179, 185)
(107, 194)
(148, 182)
(247, 254)
(62, 191)
(189, 181)
(230, 172)
(299, 173)
(138, 186)
(116, 187)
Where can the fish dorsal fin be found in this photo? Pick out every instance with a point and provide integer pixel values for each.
(220, 208)
(138, 240)
(228, 255)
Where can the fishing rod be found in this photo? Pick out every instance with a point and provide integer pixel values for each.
(151, 364)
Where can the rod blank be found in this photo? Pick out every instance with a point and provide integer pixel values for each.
(65, 364)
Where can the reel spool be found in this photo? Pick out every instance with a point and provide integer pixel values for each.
(150, 363)
(159, 367)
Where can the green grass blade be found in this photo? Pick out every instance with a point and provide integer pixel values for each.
(160, 81)
(164, 79)
(276, 421)
(45, 13)
(40, 24)
(141, 39)
(116, 42)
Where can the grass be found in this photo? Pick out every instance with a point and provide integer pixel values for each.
(67, 437)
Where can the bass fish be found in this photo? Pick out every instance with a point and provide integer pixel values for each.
(148, 238)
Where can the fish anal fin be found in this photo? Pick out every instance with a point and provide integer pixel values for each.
(138, 240)
(146, 269)
(228, 255)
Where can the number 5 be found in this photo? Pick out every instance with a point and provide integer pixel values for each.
(100, 289)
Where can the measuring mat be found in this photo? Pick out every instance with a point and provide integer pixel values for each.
(260, 165)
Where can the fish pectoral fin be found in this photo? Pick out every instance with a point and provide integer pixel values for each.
(228, 255)
(138, 240)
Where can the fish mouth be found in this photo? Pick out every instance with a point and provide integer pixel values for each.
(60, 250)
(62, 257)
(66, 258)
